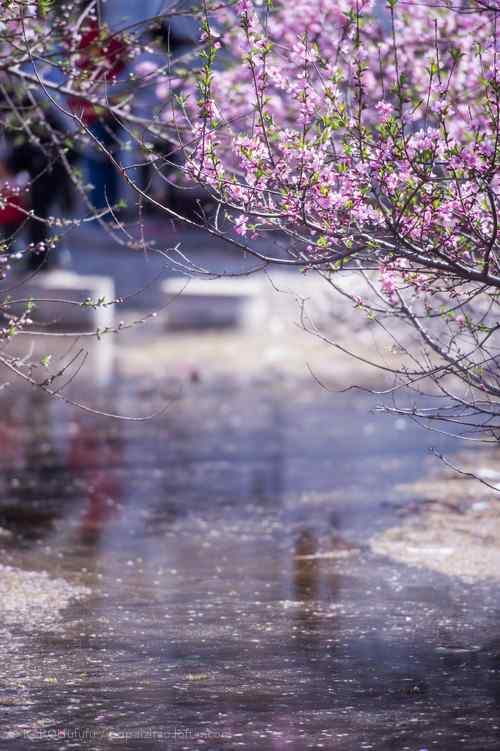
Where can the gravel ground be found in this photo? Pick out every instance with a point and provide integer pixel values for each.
(454, 526)
(33, 600)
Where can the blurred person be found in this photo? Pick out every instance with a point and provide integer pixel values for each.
(40, 158)
(101, 59)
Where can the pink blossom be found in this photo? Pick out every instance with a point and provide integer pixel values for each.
(163, 90)
(146, 68)
(241, 225)
(385, 109)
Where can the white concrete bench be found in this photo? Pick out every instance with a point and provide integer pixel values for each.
(49, 290)
(214, 303)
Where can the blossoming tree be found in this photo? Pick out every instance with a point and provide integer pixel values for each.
(369, 137)
(366, 137)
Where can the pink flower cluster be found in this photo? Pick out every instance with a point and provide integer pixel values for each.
(348, 131)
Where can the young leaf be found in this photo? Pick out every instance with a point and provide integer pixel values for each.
(44, 7)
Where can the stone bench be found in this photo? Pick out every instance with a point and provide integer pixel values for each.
(49, 290)
(213, 303)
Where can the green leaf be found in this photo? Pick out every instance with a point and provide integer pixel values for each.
(44, 7)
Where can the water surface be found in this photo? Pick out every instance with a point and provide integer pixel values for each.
(235, 601)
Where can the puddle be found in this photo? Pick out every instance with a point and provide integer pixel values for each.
(234, 601)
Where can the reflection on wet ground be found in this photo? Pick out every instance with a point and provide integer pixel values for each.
(235, 602)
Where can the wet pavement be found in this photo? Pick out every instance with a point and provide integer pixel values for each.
(235, 602)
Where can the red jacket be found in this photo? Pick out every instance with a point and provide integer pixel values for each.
(102, 57)
(12, 213)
